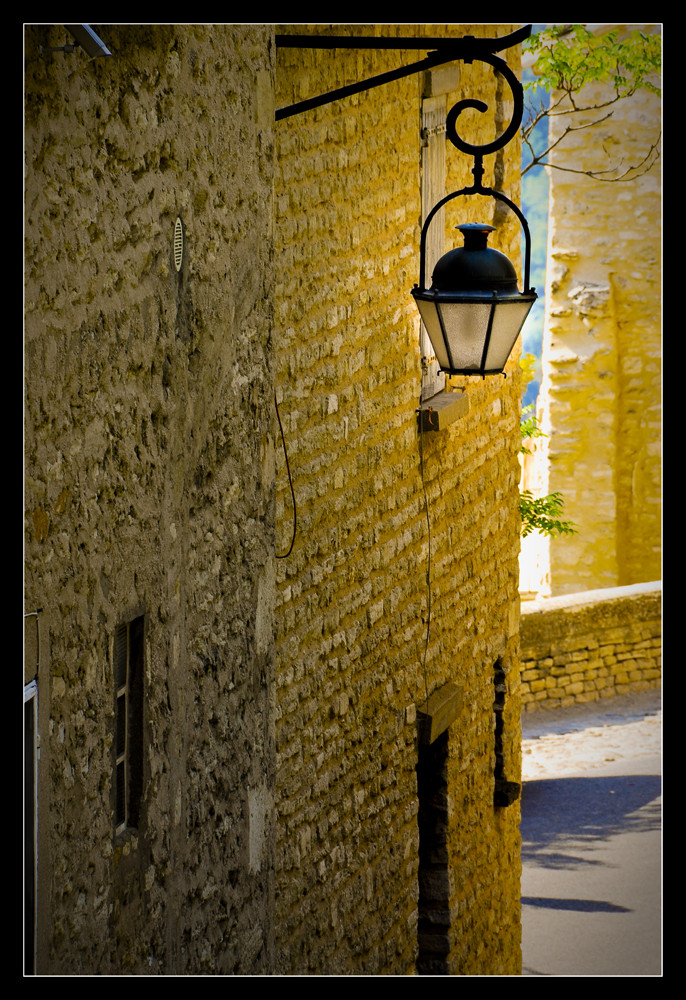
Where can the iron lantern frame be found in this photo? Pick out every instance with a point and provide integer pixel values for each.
(437, 300)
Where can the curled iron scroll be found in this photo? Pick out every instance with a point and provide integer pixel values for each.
(518, 94)
(478, 153)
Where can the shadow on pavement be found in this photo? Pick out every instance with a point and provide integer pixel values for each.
(578, 905)
(582, 811)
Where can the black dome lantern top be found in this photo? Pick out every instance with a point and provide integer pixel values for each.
(474, 267)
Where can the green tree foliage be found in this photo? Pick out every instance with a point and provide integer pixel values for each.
(529, 427)
(544, 514)
(567, 59)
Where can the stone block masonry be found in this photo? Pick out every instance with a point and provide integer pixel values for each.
(583, 647)
(352, 598)
(274, 822)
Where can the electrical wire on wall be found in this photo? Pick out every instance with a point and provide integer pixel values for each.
(290, 481)
(428, 527)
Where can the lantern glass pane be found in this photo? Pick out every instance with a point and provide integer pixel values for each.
(429, 314)
(465, 327)
(507, 322)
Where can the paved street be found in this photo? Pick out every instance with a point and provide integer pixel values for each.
(591, 839)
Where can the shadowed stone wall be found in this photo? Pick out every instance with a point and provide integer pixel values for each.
(149, 491)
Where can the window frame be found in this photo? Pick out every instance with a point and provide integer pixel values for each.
(128, 659)
(30, 825)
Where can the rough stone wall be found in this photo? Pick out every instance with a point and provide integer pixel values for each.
(583, 647)
(352, 597)
(600, 400)
(149, 490)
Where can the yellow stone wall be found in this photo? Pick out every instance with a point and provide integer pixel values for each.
(278, 829)
(600, 400)
(352, 598)
(579, 648)
(148, 493)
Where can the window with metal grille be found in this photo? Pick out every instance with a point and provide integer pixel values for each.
(128, 675)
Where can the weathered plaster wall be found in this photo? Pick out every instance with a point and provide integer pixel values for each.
(149, 489)
(352, 597)
(583, 647)
(600, 400)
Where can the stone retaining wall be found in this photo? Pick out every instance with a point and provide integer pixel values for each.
(583, 647)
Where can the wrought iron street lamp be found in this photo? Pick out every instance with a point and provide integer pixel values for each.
(473, 311)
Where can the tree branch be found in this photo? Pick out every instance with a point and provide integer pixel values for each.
(569, 58)
(638, 170)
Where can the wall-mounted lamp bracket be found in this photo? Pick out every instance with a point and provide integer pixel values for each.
(473, 311)
(445, 50)
(478, 152)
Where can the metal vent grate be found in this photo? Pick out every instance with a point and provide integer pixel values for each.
(178, 244)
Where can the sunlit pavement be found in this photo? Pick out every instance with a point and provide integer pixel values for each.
(591, 839)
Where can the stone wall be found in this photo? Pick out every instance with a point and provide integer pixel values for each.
(150, 490)
(282, 773)
(583, 647)
(600, 398)
(352, 597)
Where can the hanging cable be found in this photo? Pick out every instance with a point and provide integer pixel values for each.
(290, 481)
(428, 526)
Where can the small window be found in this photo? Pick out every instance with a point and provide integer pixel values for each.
(128, 676)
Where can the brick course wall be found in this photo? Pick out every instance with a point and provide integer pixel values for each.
(584, 647)
(352, 599)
